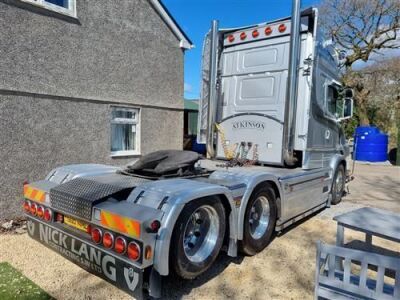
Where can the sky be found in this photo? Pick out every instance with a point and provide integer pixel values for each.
(195, 16)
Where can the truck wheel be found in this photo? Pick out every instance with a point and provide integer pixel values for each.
(259, 220)
(197, 237)
(338, 185)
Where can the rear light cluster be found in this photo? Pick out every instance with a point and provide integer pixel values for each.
(255, 34)
(38, 210)
(118, 244)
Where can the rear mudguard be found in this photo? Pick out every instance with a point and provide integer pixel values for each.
(171, 196)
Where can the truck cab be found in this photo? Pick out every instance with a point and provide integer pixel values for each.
(251, 103)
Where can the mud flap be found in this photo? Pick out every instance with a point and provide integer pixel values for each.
(155, 289)
(104, 264)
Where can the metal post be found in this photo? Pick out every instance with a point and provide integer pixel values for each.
(398, 136)
(339, 235)
(212, 103)
(339, 243)
(292, 82)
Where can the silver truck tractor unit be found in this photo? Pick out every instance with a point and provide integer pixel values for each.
(270, 111)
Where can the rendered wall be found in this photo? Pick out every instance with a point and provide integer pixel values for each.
(59, 77)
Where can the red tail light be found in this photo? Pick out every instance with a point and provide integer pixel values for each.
(133, 251)
(120, 245)
(243, 35)
(33, 208)
(40, 212)
(27, 207)
(60, 218)
(282, 28)
(268, 30)
(231, 38)
(108, 240)
(255, 33)
(96, 235)
(47, 215)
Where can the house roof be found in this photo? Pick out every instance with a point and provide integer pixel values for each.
(184, 41)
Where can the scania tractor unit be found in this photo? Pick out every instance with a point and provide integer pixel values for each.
(270, 115)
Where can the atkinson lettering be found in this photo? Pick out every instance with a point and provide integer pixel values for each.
(248, 124)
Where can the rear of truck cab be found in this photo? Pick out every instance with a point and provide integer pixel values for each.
(116, 244)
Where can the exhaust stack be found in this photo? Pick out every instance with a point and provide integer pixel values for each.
(292, 83)
(212, 104)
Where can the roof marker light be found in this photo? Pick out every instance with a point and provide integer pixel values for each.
(231, 38)
(282, 28)
(255, 33)
(243, 35)
(268, 30)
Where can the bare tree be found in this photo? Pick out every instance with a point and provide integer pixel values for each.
(361, 27)
(383, 80)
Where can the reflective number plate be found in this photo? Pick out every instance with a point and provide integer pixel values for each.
(76, 223)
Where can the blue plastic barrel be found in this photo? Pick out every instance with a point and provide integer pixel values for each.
(199, 148)
(370, 144)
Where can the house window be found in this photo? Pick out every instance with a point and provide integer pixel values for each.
(125, 131)
(66, 7)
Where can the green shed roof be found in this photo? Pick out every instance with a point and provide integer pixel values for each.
(191, 104)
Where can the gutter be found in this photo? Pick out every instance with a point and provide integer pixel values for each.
(184, 41)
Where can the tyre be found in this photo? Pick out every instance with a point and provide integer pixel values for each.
(259, 220)
(197, 237)
(338, 185)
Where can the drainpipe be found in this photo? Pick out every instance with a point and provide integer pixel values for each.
(292, 83)
(212, 102)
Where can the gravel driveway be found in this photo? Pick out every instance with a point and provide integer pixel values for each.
(284, 270)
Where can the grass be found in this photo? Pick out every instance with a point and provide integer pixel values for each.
(14, 285)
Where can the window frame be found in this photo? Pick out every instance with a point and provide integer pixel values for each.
(70, 11)
(336, 85)
(135, 121)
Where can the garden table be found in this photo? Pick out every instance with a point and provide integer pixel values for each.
(372, 222)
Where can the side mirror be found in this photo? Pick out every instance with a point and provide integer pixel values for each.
(346, 104)
(347, 109)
